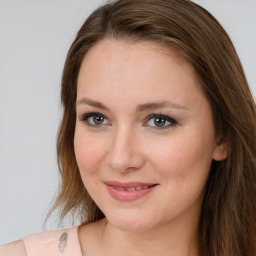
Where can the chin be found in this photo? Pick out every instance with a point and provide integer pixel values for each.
(129, 222)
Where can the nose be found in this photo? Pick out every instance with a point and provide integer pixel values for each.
(124, 154)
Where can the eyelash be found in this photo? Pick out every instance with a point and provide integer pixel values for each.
(172, 121)
(84, 118)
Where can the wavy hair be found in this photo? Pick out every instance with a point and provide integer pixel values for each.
(228, 216)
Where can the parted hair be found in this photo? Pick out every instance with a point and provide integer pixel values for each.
(227, 225)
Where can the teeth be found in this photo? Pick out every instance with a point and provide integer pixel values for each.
(132, 188)
(119, 188)
(135, 188)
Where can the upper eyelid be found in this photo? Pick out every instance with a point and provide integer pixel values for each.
(168, 118)
(159, 115)
(90, 114)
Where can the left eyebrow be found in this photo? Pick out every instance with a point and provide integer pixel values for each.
(155, 105)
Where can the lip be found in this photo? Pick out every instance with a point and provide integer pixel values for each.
(117, 190)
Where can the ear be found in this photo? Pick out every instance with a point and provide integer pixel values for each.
(221, 150)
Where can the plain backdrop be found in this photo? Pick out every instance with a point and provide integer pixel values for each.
(34, 38)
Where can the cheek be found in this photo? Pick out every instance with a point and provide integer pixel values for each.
(183, 156)
(183, 165)
(88, 152)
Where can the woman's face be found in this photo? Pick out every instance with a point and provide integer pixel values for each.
(144, 137)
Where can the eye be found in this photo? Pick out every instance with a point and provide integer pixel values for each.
(159, 121)
(94, 119)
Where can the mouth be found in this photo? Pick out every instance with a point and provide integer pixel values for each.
(129, 191)
(136, 188)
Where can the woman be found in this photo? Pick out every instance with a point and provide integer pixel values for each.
(156, 147)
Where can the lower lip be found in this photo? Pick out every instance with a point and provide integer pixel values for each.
(128, 196)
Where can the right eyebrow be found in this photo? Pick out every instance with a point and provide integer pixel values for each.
(92, 103)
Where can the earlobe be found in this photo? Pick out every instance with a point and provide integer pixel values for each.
(221, 150)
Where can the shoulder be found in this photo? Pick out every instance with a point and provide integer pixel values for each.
(46, 243)
(51, 243)
(16, 248)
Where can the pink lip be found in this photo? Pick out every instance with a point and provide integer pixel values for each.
(116, 190)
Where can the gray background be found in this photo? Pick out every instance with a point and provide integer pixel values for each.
(34, 39)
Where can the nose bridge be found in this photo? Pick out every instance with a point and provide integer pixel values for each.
(123, 138)
(123, 153)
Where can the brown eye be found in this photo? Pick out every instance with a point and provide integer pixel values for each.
(94, 120)
(160, 122)
(98, 119)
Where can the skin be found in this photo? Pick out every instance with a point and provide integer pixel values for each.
(127, 147)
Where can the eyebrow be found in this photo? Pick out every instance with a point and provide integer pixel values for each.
(155, 105)
(92, 103)
(140, 108)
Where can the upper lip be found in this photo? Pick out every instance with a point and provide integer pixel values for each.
(128, 184)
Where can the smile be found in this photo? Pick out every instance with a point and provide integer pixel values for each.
(132, 188)
(127, 192)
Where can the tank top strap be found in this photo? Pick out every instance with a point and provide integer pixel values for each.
(54, 243)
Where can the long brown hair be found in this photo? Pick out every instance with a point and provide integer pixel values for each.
(228, 217)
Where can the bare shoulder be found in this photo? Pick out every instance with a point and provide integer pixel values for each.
(16, 248)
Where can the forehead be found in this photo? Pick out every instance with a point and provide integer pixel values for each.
(141, 69)
(117, 50)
